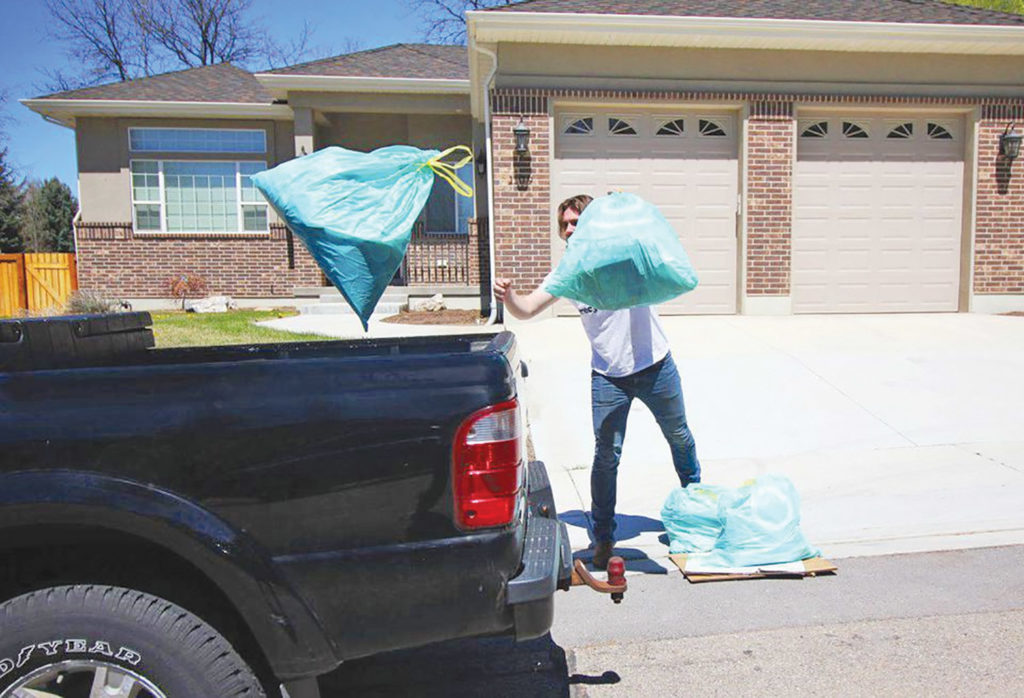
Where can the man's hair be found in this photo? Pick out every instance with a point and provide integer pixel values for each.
(576, 203)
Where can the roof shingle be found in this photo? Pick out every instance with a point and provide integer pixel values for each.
(395, 61)
(898, 11)
(211, 83)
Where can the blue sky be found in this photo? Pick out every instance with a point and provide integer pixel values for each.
(37, 149)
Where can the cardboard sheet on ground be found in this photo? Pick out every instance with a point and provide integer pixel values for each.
(697, 571)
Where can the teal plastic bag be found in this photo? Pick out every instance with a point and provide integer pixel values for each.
(622, 254)
(354, 211)
(754, 524)
(691, 518)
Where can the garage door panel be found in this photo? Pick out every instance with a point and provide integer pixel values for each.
(877, 222)
(693, 180)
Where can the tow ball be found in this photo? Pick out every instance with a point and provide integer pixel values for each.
(616, 584)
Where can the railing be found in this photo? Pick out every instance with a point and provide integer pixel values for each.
(436, 258)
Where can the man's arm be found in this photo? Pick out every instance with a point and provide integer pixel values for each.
(522, 306)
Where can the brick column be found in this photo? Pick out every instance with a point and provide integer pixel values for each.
(999, 219)
(521, 230)
(769, 205)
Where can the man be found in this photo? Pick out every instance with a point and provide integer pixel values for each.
(629, 359)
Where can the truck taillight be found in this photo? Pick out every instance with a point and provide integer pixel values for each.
(487, 463)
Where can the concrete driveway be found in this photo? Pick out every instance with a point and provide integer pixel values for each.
(902, 433)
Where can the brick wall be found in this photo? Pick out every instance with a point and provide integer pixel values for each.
(113, 260)
(769, 205)
(522, 192)
(999, 219)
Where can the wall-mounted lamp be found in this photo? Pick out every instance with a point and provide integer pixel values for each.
(1009, 142)
(522, 133)
(481, 163)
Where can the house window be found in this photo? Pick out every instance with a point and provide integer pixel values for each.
(707, 127)
(939, 132)
(618, 127)
(197, 140)
(580, 127)
(852, 130)
(905, 130)
(446, 211)
(174, 196)
(817, 129)
(675, 127)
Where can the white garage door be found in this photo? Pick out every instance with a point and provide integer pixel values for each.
(877, 205)
(684, 162)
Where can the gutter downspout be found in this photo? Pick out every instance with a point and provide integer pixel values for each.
(490, 175)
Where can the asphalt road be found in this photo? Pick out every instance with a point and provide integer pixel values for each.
(936, 624)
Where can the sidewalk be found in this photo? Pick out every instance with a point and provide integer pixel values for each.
(902, 433)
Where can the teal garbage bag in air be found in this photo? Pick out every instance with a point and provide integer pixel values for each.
(354, 211)
(758, 524)
(622, 254)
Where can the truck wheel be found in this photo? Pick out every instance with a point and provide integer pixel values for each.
(88, 641)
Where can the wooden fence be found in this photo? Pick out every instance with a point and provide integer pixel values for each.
(36, 282)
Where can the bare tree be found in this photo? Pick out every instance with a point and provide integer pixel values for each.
(125, 39)
(444, 21)
(104, 38)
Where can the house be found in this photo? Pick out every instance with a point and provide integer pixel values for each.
(814, 156)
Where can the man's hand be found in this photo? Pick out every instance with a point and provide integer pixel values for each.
(502, 289)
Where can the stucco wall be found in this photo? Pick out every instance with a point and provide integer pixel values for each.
(536, 65)
(103, 158)
(369, 131)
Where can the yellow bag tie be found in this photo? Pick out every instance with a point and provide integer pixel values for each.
(447, 171)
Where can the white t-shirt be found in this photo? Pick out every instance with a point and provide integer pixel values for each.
(622, 342)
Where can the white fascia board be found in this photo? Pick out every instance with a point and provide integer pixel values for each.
(65, 111)
(279, 85)
(736, 32)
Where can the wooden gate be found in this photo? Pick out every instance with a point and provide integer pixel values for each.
(37, 282)
(12, 284)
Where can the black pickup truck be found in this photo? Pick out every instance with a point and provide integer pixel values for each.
(233, 521)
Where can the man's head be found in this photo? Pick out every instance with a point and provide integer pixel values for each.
(568, 213)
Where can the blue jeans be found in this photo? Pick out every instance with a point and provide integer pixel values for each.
(659, 388)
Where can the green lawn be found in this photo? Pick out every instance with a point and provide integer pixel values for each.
(180, 329)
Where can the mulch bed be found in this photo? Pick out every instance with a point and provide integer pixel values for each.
(436, 317)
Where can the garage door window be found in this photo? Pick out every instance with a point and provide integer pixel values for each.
(675, 127)
(904, 130)
(816, 129)
(708, 127)
(580, 127)
(620, 127)
(939, 132)
(852, 130)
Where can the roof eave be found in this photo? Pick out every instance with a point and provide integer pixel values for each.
(65, 111)
(740, 32)
(279, 85)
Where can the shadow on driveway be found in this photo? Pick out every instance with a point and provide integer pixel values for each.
(495, 666)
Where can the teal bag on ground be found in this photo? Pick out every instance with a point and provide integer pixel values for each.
(757, 523)
(354, 211)
(691, 518)
(622, 254)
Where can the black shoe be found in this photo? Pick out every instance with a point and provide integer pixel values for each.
(602, 551)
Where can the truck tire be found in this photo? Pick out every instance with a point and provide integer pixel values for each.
(91, 640)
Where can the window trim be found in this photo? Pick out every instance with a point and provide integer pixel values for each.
(421, 220)
(263, 131)
(570, 119)
(162, 203)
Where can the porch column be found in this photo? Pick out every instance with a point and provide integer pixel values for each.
(303, 130)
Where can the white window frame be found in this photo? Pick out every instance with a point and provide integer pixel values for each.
(163, 200)
(261, 131)
(422, 219)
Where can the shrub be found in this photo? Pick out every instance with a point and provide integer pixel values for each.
(185, 285)
(89, 302)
